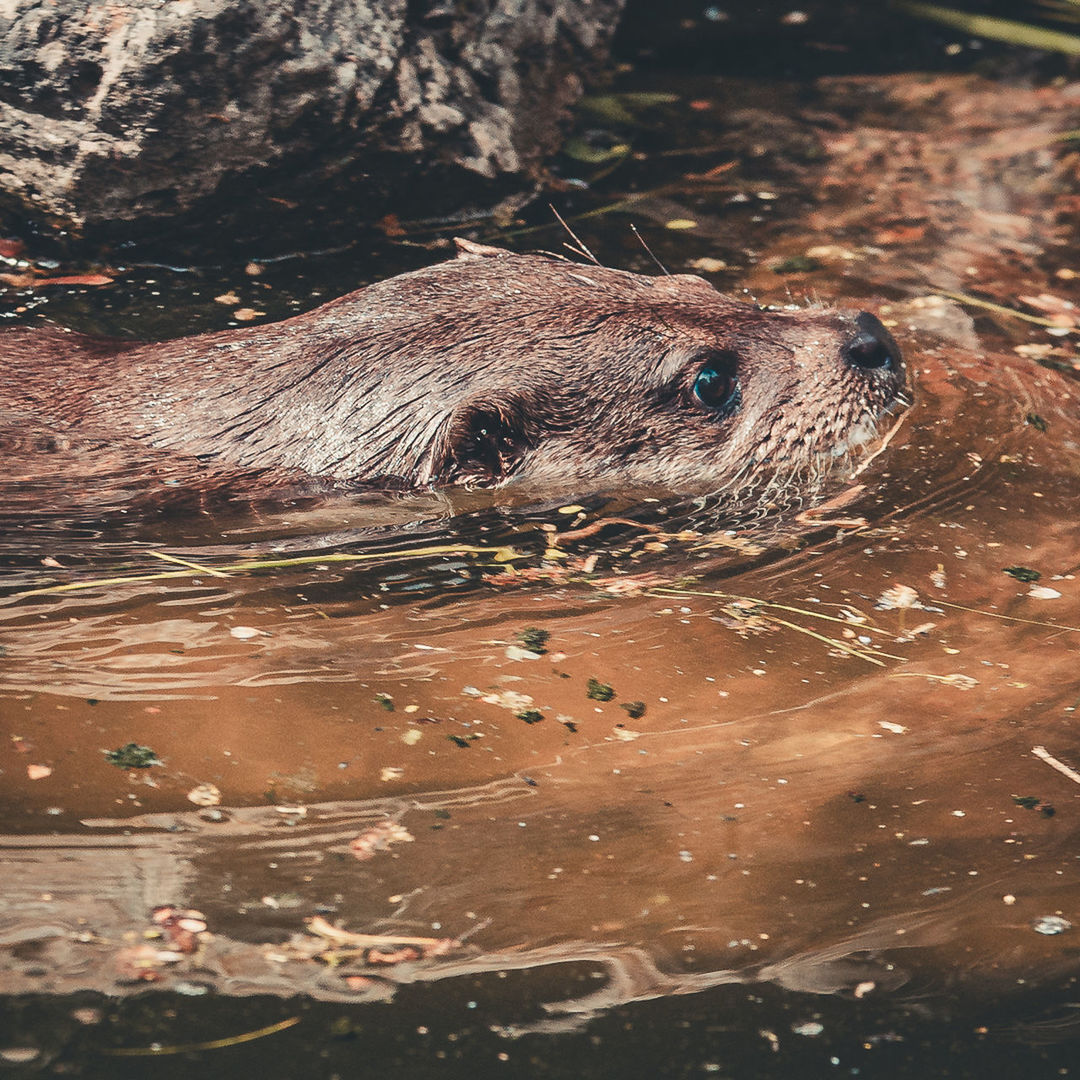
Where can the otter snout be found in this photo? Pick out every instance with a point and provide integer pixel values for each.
(873, 347)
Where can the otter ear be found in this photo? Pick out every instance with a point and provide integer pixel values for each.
(468, 249)
(483, 444)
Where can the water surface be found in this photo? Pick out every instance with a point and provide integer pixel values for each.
(828, 806)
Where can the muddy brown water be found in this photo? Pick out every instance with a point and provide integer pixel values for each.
(810, 830)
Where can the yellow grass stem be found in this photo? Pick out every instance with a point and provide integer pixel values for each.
(183, 562)
(499, 554)
(989, 26)
(213, 1044)
(974, 301)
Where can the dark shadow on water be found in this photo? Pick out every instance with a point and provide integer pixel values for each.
(477, 1027)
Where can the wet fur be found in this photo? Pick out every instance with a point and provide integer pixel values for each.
(480, 370)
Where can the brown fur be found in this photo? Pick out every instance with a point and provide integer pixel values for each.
(480, 370)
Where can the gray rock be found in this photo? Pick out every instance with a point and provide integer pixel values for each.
(139, 109)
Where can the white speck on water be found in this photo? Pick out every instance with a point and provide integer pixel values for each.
(1051, 924)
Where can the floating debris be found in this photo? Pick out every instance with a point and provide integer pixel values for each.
(1044, 755)
(1051, 924)
(1022, 573)
(377, 948)
(1032, 802)
(957, 679)
(378, 838)
(1043, 592)
(898, 598)
(205, 795)
(534, 639)
(598, 691)
(516, 652)
(508, 699)
(132, 756)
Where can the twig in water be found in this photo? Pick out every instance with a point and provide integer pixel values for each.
(1042, 753)
(602, 523)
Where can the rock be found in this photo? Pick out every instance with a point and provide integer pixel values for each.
(131, 109)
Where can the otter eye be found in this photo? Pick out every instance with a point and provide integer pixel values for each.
(716, 386)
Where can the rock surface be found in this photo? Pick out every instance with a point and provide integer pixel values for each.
(130, 109)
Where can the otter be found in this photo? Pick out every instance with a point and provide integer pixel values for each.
(489, 368)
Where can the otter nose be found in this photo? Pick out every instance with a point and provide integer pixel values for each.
(872, 348)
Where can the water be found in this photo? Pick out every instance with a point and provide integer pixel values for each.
(816, 827)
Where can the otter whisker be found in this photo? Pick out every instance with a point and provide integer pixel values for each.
(649, 251)
(581, 249)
